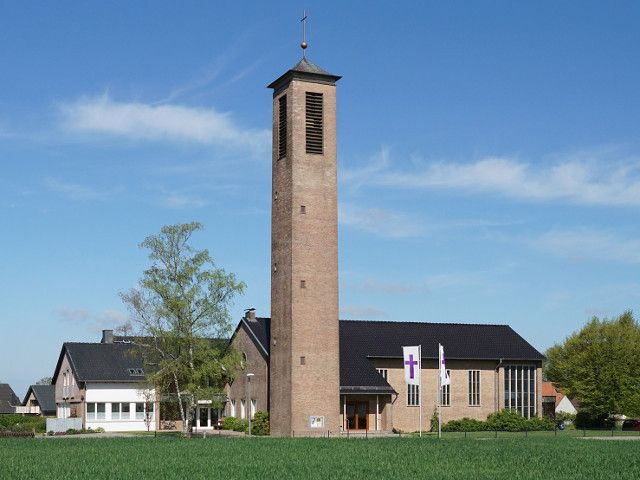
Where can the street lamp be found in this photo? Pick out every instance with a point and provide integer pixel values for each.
(249, 375)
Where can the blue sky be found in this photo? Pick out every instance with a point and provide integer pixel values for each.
(489, 158)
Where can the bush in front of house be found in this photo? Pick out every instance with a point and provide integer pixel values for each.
(22, 423)
(260, 423)
(504, 421)
(465, 425)
(235, 424)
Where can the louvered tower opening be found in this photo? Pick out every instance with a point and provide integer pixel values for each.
(314, 123)
(282, 127)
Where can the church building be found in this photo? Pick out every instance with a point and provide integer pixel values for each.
(318, 375)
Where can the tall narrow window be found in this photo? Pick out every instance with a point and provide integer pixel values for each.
(384, 372)
(413, 395)
(520, 389)
(474, 388)
(314, 122)
(282, 127)
(445, 395)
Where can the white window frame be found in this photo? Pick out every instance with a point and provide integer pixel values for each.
(384, 372)
(243, 409)
(413, 395)
(474, 388)
(139, 415)
(445, 393)
(93, 413)
(521, 389)
(232, 407)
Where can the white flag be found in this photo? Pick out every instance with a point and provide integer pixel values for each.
(411, 365)
(444, 376)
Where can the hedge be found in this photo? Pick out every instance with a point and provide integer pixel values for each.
(504, 421)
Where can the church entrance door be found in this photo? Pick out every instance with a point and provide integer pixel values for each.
(357, 416)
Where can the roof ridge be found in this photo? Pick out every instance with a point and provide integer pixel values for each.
(417, 322)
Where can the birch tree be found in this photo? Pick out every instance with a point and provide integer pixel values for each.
(180, 316)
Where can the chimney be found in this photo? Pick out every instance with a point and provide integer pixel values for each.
(250, 314)
(107, 336)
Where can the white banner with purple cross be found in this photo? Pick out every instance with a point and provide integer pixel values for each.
(444, 376)
(411, 365)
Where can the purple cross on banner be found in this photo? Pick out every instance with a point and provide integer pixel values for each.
(411, 358)
(411, 362)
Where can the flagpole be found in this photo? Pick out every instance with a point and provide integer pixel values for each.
(420, 385)
(439, 395)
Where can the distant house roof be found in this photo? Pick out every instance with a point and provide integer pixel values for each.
(119, 359)
(361, 340)
(46, 397)
(549, 390)
(8, 399)
(103, 362)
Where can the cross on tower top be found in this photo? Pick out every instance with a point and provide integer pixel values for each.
(303, 45)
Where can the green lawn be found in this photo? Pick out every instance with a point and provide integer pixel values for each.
(505, 457)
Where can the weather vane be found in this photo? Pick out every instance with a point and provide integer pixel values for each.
(303, 45)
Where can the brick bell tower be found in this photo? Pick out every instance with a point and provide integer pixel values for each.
(304, 350)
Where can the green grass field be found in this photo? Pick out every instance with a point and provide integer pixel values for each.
(505, 457)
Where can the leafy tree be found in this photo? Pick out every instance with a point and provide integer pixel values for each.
(44, 381)
(600, 366)
(180, 314)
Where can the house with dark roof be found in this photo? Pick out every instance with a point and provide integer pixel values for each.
(491, 368)
(104, 384)
(8, 399)
(554, 401)
(39, 400)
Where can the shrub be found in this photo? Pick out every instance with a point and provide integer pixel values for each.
(16, 422)
(235, 424)
(587, 420)
(565, 417)
(506, 421)
(465, 425)
(434, 420)
(540, 424)
(260, 423)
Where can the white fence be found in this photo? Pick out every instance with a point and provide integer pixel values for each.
(63, 424)
(28, 410)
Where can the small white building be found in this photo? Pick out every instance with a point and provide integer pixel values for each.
(104, 384)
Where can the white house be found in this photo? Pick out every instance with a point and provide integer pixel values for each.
(104, 385)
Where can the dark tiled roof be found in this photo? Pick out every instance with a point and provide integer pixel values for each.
(103, 362)
(260, 330)
(305, 66)
(46, 397)
(306, 70)
(361, 340)
(8, 399)
(461, 341)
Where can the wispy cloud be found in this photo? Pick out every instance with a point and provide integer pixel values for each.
(385, 223)
(393, 224)
(75, 191)
(142, 121)
(179, 200)
(387, 288)
(92, 322)
(361, 312)
(584, 244)
(586, 178)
